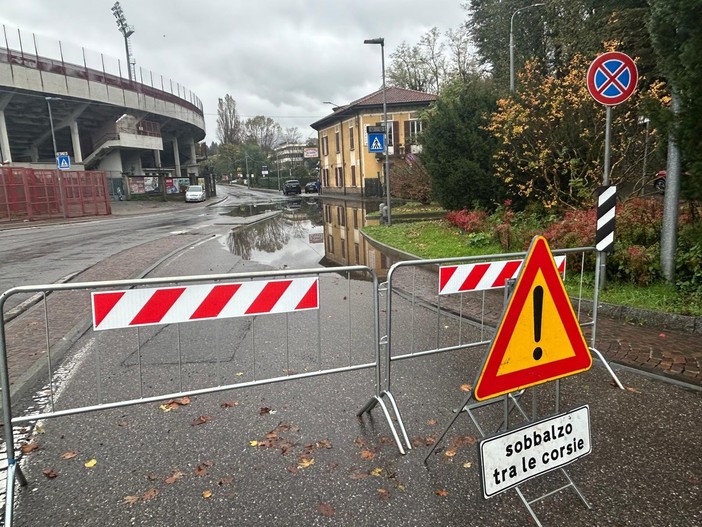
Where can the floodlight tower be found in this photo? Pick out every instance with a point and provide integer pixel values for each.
(127, 31)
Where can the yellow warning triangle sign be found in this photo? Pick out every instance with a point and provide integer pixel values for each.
(539, 338)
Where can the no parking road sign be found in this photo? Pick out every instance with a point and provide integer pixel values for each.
(612, 78)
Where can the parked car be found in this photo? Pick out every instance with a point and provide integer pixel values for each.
(659, 181)
(195, 193)
(311, 188)
(292, 186)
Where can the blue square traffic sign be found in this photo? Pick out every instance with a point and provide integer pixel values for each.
(376, 143)
(63, 161)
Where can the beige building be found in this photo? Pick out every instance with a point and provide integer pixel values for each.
(346, 166)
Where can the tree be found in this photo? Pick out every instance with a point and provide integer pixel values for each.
(262, 131)
(676, 34)
(291, 136)
(551, 139)
(457, 150)
(408, 69)
(554, 33)
(228, 122)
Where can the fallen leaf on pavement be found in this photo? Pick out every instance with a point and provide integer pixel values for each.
(225, 481)
(264, 410)
(467, 464)
(130, 500)
(175, 476)
(326, 510)
(150, 494)
(367, 454)
(239, 373)
(49, 473)
(377, 472)
(359, 475)
(466, 387)
(632, 389)
(293, 469)
(201, 420)
(441, 492)
(207, 494)
(305, 462)
(253, 442)
(432, 422)
(91, 463)
(201, 469)
(229, 404)
(69, 455)
(29, 447)
(384, 494)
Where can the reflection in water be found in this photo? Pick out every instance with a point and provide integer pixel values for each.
(286, 240)
(268, 236)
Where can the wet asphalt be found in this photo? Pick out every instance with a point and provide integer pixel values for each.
(295, 452)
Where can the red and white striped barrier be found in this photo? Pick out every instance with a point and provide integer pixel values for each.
(143, 307)
(483, 276)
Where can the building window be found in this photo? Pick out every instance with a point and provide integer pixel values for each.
(325, 177)
(352, 143)
(357, 251)
(330, 244)
(355, 218)
(325, 146)
(353, 175)
(343, 250)
(391, 131)
(341, 216)
(339, 172)
(337, 143)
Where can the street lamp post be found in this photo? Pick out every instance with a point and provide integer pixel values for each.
(53, 141)
(511, 43)
(381, 41)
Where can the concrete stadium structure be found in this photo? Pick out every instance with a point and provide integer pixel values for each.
(59, 98)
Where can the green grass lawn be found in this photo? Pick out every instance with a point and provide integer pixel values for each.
(439, 239)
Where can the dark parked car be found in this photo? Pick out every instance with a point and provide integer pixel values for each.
(311, 188)
(292, 186)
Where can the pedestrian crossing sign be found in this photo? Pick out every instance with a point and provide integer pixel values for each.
(63, 161)
(376, 143)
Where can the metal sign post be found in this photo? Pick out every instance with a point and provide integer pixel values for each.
(611, 80)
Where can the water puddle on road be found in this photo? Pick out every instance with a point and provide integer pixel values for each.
(290, 234)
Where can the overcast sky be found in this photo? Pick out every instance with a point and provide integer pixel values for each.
(278, 58)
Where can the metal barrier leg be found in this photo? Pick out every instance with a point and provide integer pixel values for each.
(464, 406)
(399, 420)
(608, 367)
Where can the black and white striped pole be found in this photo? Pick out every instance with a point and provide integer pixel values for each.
(604, 242)
(606, 203)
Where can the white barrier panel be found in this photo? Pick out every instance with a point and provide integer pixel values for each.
(482, 276)
(170, 305)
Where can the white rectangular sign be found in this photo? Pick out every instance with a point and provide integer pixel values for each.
(515, 456)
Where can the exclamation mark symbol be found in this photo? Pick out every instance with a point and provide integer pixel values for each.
(538, 311)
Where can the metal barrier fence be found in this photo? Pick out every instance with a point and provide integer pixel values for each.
(31, 194)
(449, 312)
(313, 324)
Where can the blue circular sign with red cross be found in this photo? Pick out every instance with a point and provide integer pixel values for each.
(612, 78)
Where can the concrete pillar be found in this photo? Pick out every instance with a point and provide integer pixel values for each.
(34, 153)
(75, 139)
(176, 157)
(157, 158)
(4, 140)
(193, 152)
